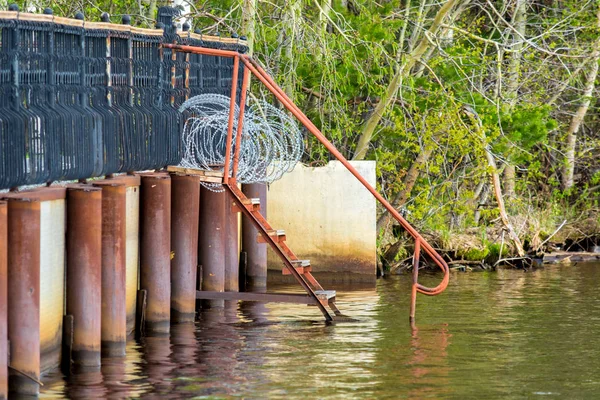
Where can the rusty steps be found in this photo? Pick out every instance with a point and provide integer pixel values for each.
(302, 266)
(300, 269)
(277, 234)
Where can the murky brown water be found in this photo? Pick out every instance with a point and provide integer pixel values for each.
(497, 335)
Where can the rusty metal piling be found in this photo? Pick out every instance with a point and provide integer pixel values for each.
(24, 295)
(84, 273)
(185, 209)
(3, 301)
(256, 270)
(114, 313)
(211, 242)
(232, 252)
(155, 250)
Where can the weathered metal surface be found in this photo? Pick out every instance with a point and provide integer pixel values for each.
(256, 270)
(232, 251)
(24, 294)
(185, 210)
(211, 242)
(52, 280)
(3, 300)
(114, 313)
(155, 249)
(84, 272)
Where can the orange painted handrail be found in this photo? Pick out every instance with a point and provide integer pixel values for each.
(270, 84)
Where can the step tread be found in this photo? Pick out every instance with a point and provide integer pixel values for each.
(328, 294)
(301, 263)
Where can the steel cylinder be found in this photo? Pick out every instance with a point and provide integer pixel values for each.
(155, 250)
(84, 272)
(256, 270)
(24, 295)
(211, 242)
(3, 300)
(232, 252)
(185, 209)
(114, 313)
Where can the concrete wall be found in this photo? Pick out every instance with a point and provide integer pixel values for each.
(329, 218)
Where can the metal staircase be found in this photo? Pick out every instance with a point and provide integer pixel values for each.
(300, 269)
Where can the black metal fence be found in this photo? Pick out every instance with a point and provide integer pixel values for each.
(82, 99)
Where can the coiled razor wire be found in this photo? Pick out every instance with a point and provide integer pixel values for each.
(271, 142)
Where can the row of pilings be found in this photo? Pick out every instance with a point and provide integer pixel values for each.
(83, 267)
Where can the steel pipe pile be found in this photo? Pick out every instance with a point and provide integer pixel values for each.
(82, 99)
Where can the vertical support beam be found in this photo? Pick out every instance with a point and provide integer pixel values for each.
(415, 276)
(232, 251)
(211, 242)
(24, 295)
(114, 262)
(155, 248)
(84, 272)
(228, 144)
(185, 210)
(256, 270)
(3, 300)
(132, 255)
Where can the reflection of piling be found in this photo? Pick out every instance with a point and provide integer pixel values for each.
(212, 242)
(256, 269)
(3, 301)
(24, 294)
(232, 263)
(114, 314)
(84, 272)
(185, 208)
(155, 249)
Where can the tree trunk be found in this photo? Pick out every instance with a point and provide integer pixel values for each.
(409, 183)
(291, 23)
(590, 82)
(472, 114)
(513, 81)
(248, 24)
(389, 95)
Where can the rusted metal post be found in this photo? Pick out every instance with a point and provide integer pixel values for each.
(3, 301)
(232, 252)
(415, 276)
(155, 250)
(84, 272)
(114, 313)
(256, 270)
(24, 295)
(211, 242)
(185, 210)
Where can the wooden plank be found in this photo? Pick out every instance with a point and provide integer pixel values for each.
(248, 296)
(194, 171)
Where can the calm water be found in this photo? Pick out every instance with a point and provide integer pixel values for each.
(496, 335)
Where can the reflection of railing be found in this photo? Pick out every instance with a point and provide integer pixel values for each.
(253, 67)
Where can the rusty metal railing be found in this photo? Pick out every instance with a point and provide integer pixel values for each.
(251, 66)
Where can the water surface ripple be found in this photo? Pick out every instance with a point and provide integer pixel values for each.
(493, 335)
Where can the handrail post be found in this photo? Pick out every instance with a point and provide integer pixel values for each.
(238, 138)
(236, 65)
(415, 280)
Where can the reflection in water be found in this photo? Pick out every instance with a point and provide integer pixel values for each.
(504, 335)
